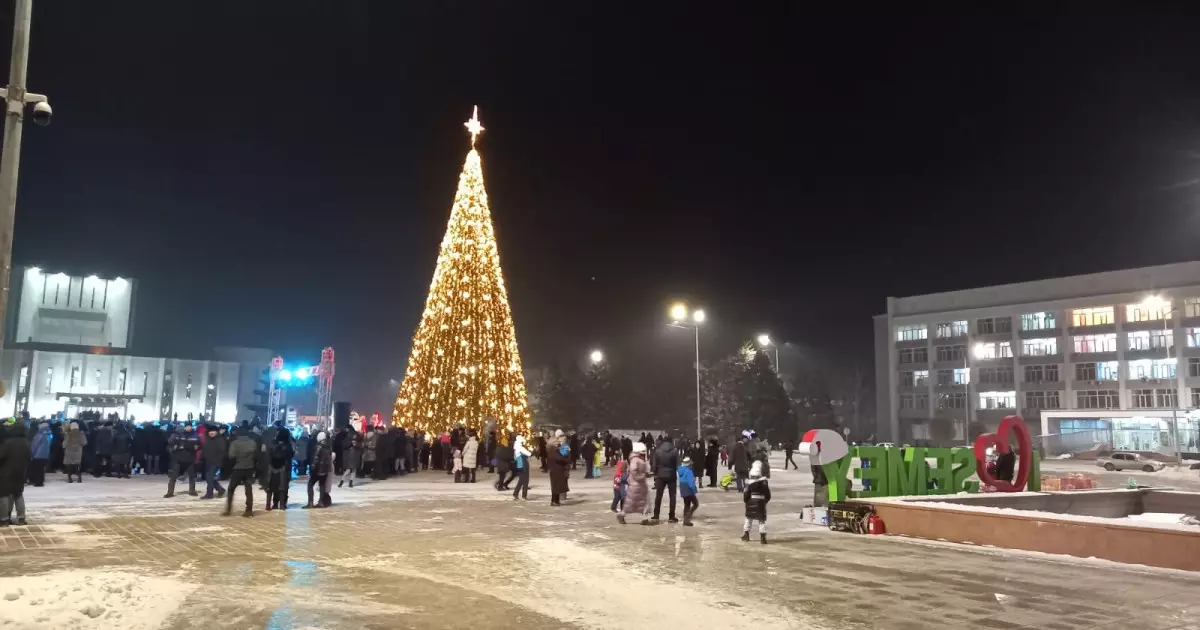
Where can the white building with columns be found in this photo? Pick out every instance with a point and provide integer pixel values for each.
(67, 349)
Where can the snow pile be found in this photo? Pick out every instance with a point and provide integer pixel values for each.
(1158, 518)
(84, 599)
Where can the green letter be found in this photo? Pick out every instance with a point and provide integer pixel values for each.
(964, 466)
(1034, 484)
(876, 472)
(906, 473)
(940, 474)
(835, 474)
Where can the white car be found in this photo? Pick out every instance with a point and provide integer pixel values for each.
(1129, 461)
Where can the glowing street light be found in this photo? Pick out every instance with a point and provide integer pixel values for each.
(764, 340)
(597, 357)
(679, 315)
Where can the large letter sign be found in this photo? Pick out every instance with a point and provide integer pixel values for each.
(916, 470)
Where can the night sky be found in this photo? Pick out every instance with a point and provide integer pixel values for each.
(278, 173)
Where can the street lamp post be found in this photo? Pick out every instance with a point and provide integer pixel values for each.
(765, 341)
(15, 99)
(680, 319)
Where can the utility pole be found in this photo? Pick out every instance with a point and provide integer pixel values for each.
(15, 100)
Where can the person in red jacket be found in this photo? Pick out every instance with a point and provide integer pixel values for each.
(619, 485)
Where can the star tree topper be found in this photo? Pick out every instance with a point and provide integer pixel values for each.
(474, 127)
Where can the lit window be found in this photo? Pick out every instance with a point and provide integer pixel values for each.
(1097, 399)
(1151, 339)
(962, 376)
(1147, 312)
(23, 379)
(997, 400)
(1038, 321)
(1193, 337)
(1191, 307)
(921, 377)
(1092, 316)
(946, 330)
(1152, 368)
(1039, 347)
(993, 350)
(74, 376)
(1096, 343)
(49, 381)
(912, 333)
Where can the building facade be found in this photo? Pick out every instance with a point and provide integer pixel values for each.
(68, 349)
(1100, 357)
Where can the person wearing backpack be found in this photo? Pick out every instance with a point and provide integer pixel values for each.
(279, 473)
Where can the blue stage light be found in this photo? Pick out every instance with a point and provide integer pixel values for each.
(285, 375)
(302, 373)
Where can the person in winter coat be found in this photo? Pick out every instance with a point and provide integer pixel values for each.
(710, 461)
(489, 451)
(244, 453)
(636, 490)
(14, 466)
(588, 451)
(458, 464)
(122, 445)
(39, 451)
(322, 466)
(626, 447)
(301, 448)
(73, 442)
(696, 454)
(183, 446)
(756, 496)
(598, 457)
(470, 457)
(739, 463)
(521, 463)
(666, 461)
(820, 484)
(504, 464)
(619, 484)
(369, 452)
(559, 464)
(339, 450)
(352, 452)
(280, 453)
(214, 451)
(687, 490)
(103, 443)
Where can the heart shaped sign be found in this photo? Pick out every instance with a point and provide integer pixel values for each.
(999, 439)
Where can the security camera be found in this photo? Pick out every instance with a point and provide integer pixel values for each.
(42, 113)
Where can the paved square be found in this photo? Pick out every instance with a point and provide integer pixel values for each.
(423, 552)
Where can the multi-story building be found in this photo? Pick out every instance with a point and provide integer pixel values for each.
(1106, 359)
(69, 348)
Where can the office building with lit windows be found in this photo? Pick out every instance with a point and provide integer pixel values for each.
(68, 348)
(1099, 360)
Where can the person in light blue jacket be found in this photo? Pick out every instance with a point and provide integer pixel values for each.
(687, 490)
(40, 454)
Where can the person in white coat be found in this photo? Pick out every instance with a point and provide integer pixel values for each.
(470, 457)
(521, 463)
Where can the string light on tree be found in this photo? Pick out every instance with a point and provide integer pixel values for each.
(464, 366)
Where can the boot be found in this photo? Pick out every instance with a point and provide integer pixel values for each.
(168, 495)
(687, 518)
(20, 520)
(621, 518)
(351, 483)
(342, 481)
(746, 536)
(226, 513)
(762, 538)
(248, 513)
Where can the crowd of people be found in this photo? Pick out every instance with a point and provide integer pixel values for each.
(270, 456)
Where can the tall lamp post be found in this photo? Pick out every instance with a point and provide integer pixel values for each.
(764, 340)
(15, 99)
(680, 318)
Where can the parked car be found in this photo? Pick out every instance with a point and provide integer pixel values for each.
(1129, 461)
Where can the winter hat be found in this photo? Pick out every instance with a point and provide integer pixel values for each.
(639, 447)
(321, 436)
(687, 461)
(558, 433)
(756, 470)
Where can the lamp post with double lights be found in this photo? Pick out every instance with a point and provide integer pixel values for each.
(682, 318)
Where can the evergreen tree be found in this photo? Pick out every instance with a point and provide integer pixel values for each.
(763, 401)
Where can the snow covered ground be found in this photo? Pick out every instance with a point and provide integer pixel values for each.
(424, 552)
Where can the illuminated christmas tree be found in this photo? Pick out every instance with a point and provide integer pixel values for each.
(464, 366)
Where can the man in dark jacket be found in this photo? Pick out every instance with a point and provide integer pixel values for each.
(102, 441)
(122, 444)
(182, 447)
(215, 448)
(666, 460)
(322, 466)
(243, 452)
(787, 456)
(280, 452)
(14, 466)
(740, 463)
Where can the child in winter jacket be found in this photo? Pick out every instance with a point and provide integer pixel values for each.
(619, 482)
(458, 465)
(756, 497)
(687, 490)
